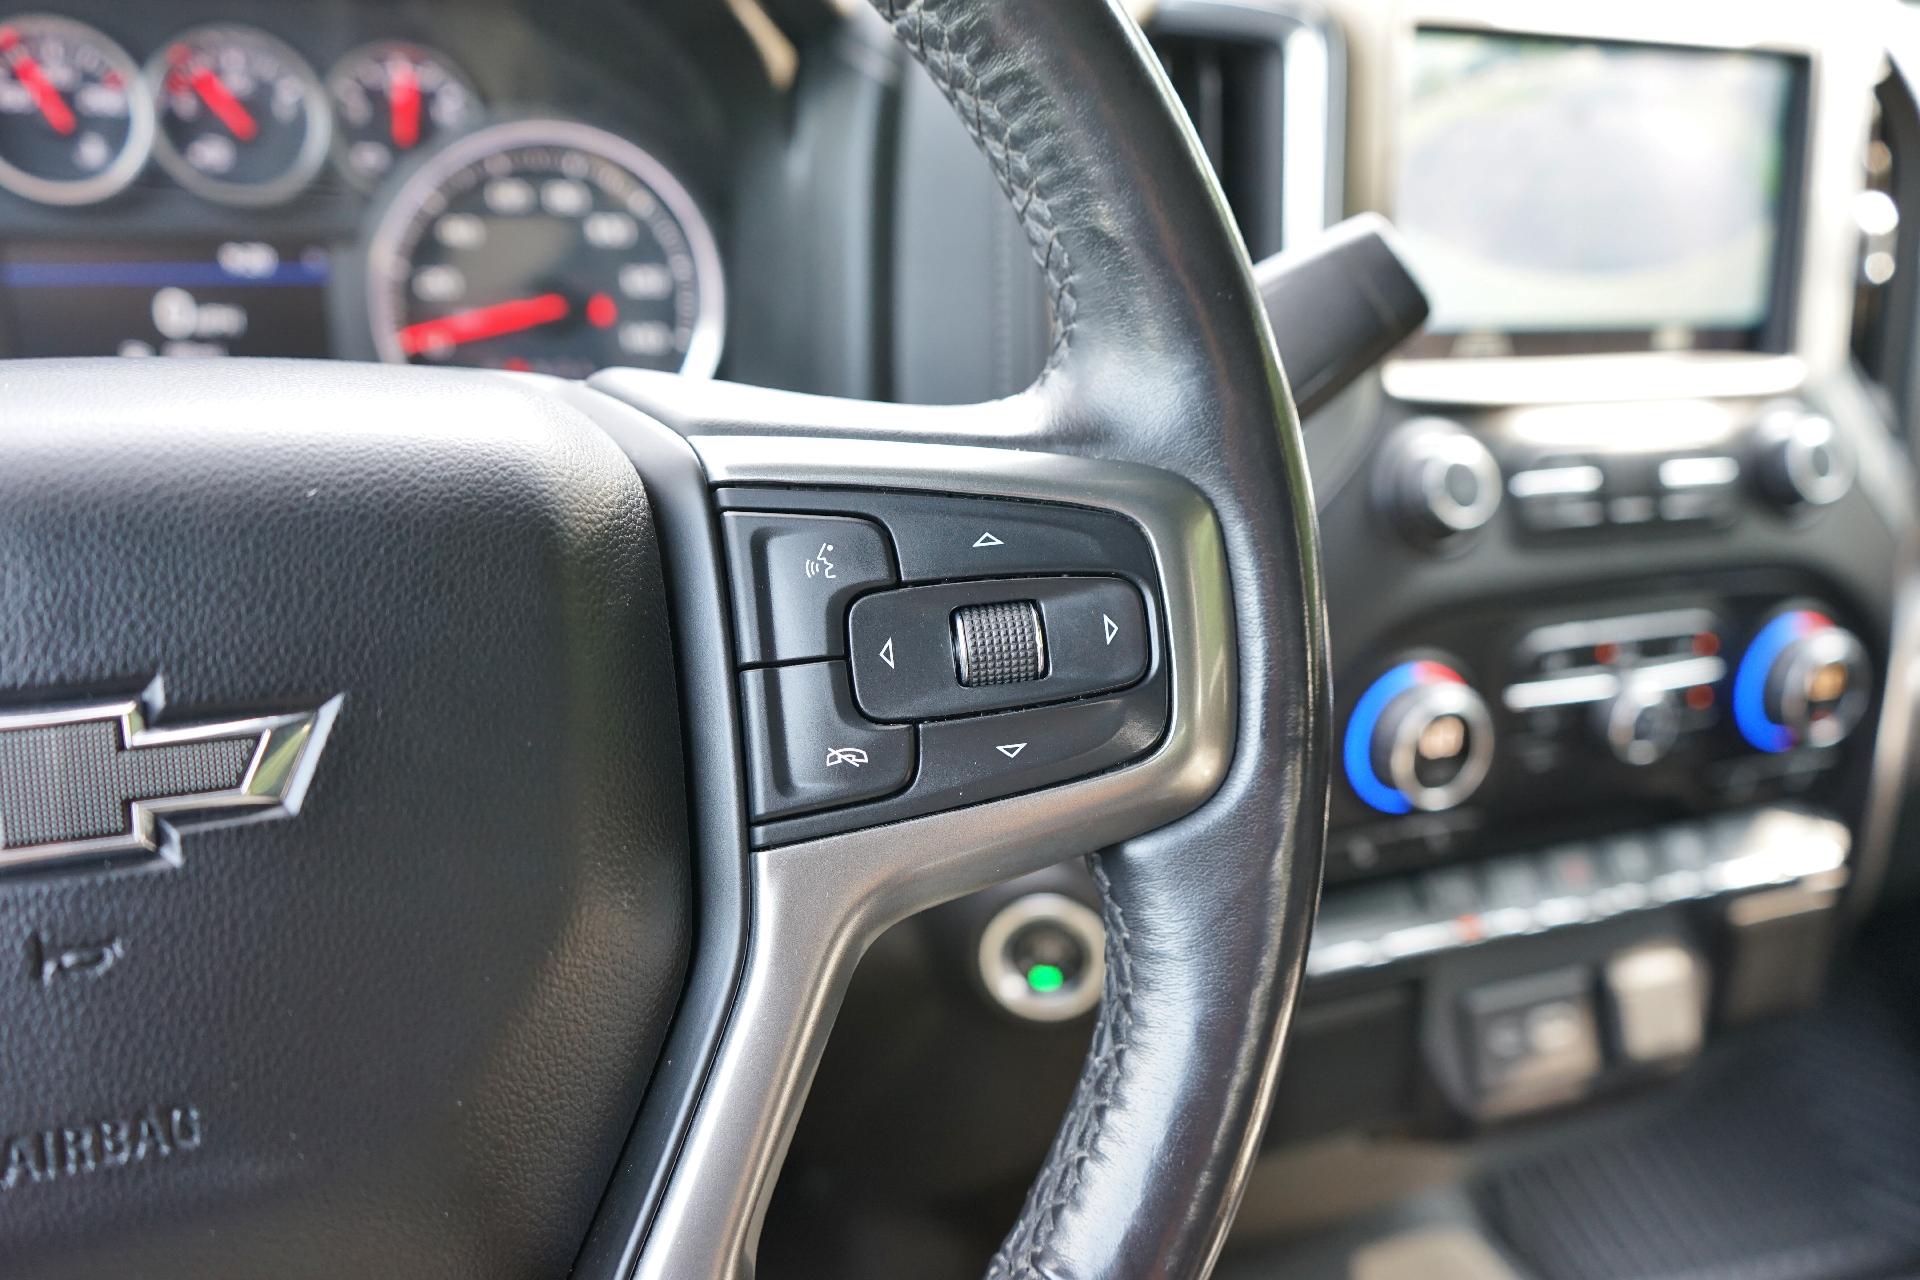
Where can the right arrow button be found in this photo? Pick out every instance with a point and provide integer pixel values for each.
(1097, 635)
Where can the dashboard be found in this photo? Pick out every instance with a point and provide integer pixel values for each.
(1617, 547)
(435, 183)
(1618, 550)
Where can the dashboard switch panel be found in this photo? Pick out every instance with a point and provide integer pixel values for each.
(910, 646)
(809, 749)
(1535, 1041)
(793, 577)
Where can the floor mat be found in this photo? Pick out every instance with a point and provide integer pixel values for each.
(1795, 1159)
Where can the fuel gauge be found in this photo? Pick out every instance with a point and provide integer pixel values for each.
(75, 123)
(391, 99)
(243, 119)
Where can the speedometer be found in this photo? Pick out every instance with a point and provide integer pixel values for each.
(549, 246)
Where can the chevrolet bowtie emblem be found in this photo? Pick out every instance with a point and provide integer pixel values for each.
(95, 779)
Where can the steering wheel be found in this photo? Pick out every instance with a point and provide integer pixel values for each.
(398, 882)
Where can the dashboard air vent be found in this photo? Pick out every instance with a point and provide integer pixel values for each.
(1260, 86)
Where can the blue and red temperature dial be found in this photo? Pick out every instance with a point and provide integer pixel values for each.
(1418, 738)
(1802, 682)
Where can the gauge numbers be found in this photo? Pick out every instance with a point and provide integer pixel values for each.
(243, 119)
(391, 99)
(76, 124)
(545, 245)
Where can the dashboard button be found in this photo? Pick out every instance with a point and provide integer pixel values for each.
(963, 761)
(793, 577)
(1532, 1041)
(1640, 724)
(809, 748)
(970, 538)
(1802, 460)
(1092, 637)
(1438, 481)
(939, 538)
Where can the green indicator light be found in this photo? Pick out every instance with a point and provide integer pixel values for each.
(1043, 978)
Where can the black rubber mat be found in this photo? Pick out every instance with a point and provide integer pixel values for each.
(1797, 1158)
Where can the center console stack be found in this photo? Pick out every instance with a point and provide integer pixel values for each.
(1612, 581)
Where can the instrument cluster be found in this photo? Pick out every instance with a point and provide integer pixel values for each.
(220, 190)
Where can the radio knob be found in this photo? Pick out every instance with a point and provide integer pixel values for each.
(1802, 461)
(1640, 725)
(1802, 682)
(1439, 481)
(1419, 738)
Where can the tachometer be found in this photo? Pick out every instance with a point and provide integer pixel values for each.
(545, 245)
(76, 125)
(393, 99)
(243, 119)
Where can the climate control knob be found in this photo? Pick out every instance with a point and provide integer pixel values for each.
(1802, 460)
(1640, 724)
(1419, 738)
(1802, 682)
(1438, 481)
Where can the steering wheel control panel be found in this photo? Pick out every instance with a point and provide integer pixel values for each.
(904, 653)
(1519, 718)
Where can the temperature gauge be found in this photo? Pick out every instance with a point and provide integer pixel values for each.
(391, 99)
(75, 125)
(243, 119)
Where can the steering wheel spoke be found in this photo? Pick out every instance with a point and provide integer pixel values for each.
(995, 779)
(1164, 412)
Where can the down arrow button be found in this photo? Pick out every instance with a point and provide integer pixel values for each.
(980, 757)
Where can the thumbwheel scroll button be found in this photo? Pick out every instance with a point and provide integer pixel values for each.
(962, 648)
(1000, 643)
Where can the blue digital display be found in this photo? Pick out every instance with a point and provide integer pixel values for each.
(205, 298)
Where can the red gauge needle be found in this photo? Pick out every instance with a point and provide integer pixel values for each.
(220, 100)
(403, 98)
(481, 323)
(26, 69)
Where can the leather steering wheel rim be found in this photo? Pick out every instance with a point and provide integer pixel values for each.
(1162, 357)
(1208, 920)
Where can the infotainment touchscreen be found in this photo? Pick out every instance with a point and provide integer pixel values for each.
(1562, 196)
